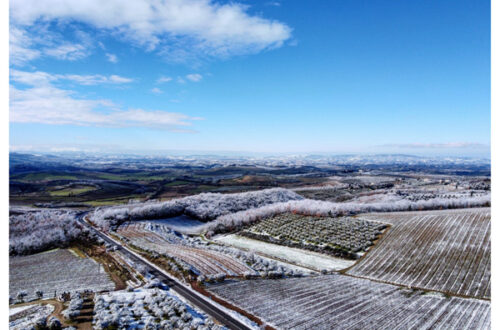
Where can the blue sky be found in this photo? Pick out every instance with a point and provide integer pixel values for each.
(260, 76)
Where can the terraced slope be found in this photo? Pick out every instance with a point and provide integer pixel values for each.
(206, 262)
(446, 251)
(345, 302)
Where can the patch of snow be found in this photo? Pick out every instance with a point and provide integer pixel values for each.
(183, 224)
(303, 258)
(16, 310)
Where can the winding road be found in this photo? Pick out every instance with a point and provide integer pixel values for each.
(190, 295)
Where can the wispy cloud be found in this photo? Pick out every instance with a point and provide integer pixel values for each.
(112, 58)
(28, 43)
(39, 78)
(156, 91)
(448, 145)
(20, 47)
(46, 103)
(176, 28)
(163, 79)
(68, 51)
(196, 77)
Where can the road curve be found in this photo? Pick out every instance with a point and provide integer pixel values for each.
(190, 295)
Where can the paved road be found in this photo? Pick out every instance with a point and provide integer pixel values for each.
(218, 314)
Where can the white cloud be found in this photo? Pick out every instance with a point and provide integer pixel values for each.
(174, 27)
(156, 90)
(68, 51)
(163, 80)
(54, 106)
(112, 58)
(45, 103)
(451, 145)
(20, 44)
(194, 77)
(40, 78)
(119, 80)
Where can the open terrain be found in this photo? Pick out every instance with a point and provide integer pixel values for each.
(343, 302)
(54, 272)
(447, 251)
(201, 261)
(303, 258)
(347, 243)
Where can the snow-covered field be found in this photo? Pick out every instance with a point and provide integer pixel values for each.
(54, 272)
(446, 251)
(202, 261)
(344, 302)
(147, 308)
(182, 224)
(308, 259)
(28, 317)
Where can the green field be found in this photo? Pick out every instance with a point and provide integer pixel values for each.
(74, 191)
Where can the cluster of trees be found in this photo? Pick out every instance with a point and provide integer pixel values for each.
(75, 305)
(147, 309)
(239, 220)
(345, 234)
(205, 207)
(37, 231)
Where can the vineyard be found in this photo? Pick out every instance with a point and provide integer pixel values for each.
(204, 261)
(446, 251)
(344, 302)
(341, 237)
(54, 272)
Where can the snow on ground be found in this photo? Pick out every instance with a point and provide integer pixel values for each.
(16, 310)
(30, 317)
(54, 272)
(299, 257)
(183, 224)
(149, 308)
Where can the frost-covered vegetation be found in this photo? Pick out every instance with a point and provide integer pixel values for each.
(30, 317)
(31, 232)
(262, 267)
(55, 272)
(446, 251)
(345, 302)
(74, 307)
(147, 308)
(195, 256)
(206, 206)
(239, 220)
(341, 236)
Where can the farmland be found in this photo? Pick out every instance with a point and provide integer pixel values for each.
(303, 258)
(293, 243)
(341, 237)
(202, 261)
(447, 251)
(343, 302)
(54, 272)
